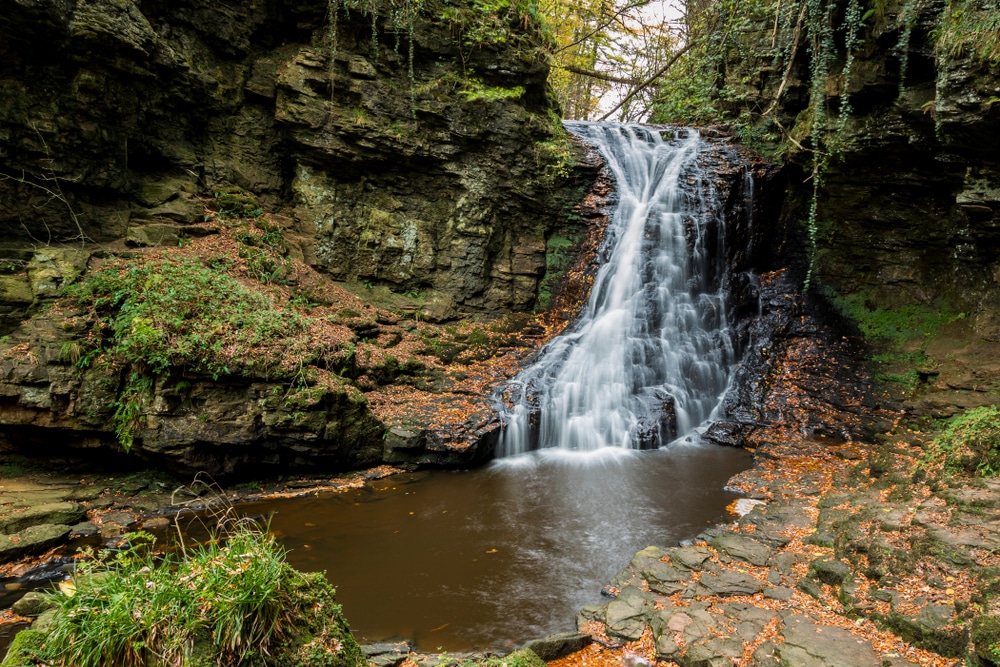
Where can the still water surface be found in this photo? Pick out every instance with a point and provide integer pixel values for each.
(492, 557)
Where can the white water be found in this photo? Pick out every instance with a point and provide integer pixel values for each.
(649, 358)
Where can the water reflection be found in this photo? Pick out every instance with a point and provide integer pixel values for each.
(495, 556)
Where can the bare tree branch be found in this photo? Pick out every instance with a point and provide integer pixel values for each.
(791, 59)
(656, 75)
(602, 26)
(602, 76)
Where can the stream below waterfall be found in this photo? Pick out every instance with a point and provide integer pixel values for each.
(490, 558)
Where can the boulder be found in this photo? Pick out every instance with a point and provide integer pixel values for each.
(810, 645)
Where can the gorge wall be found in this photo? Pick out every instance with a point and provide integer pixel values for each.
(412, 154)
(117, 117)
(908, 210)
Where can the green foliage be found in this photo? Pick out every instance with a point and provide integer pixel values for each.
(970, 28)
(128, 408)
(555, 156)
(491, 23)
(164, 315)
(221, 603)
(265, 250)
(180, 313)
(970, 444)
(986, 637)
(475, 90)
(237, 204)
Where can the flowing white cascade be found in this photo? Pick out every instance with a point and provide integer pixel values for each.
(649, 358)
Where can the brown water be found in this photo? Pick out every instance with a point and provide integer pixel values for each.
(493, 557)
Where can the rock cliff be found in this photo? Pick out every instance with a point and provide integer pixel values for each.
(378, 135)
(410, 151)
(908, 209)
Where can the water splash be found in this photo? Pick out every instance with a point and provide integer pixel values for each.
(649, 358)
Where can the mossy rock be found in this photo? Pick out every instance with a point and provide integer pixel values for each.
(321, 634)
(237, 204)
(934, 629)
(986, 637)
(524, 657)
(24, 649)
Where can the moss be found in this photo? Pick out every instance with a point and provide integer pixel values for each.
(969, 445)
(237, 204)
(322, 636)
(986, 638)
(24, 649)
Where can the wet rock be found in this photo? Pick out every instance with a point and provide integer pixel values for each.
(936, 627)
(86, 493)
(52, 513)
(778, 592)
(592, 613)
(156, 523)
(83, 529)
(559, 645)
(810, 645)
(386, 654)
(784, 562)
(661, 577)
(728, 433)
(111, 531)
(32, 540)
(666, 647)
(810, 587)
(123, 519)
(716, 652)
(742, 548)
(626, 616)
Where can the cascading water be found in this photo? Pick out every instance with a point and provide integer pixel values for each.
(649, 358)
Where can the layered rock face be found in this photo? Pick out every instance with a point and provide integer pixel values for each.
(406, 152)
(908, 211)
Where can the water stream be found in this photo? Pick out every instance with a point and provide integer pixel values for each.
(648, 360)
(492, 557)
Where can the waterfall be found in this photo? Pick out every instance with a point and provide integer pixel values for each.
(648, 359)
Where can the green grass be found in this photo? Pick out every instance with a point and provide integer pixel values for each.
(235, 602)
(127, 608)
(970, 28)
